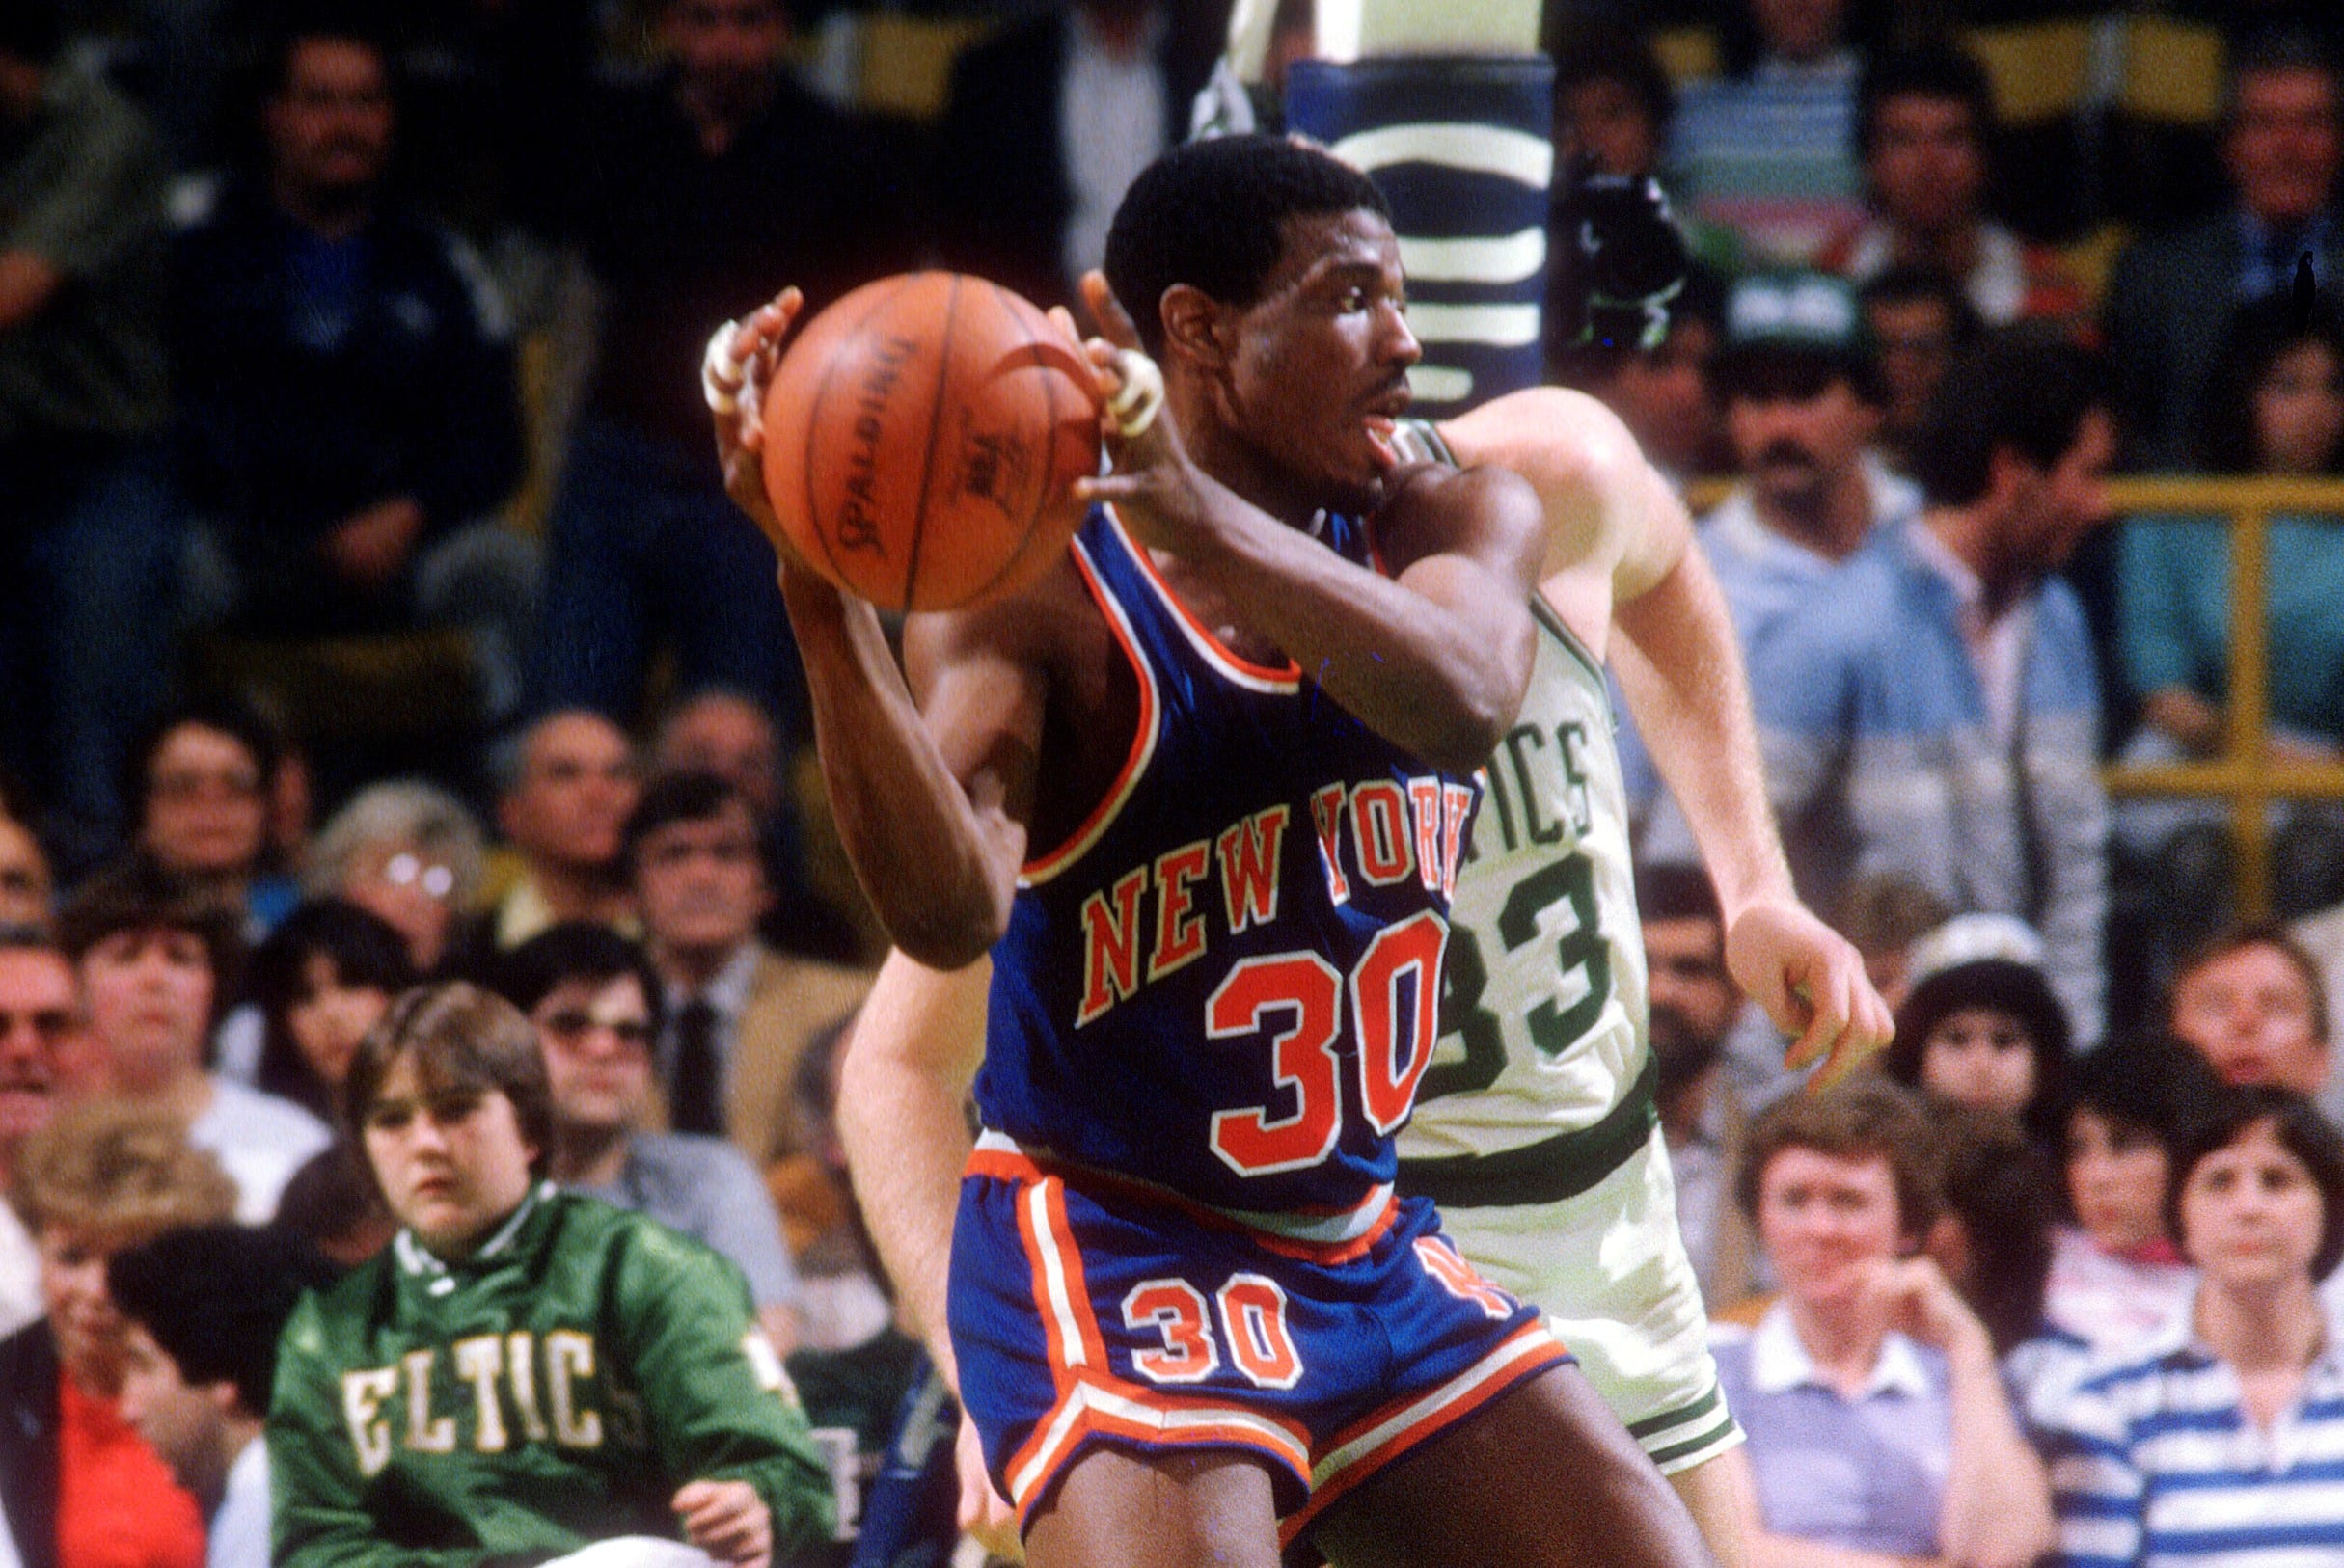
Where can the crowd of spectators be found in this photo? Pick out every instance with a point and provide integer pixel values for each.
(367, 325)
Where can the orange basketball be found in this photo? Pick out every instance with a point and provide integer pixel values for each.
(922, 438)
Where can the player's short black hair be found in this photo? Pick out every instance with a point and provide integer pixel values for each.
(2026, 389)
(1939, 70)
(568, 951)
(1212, 215)
(216, 1298)
(2228, 1114)
(1676, 890)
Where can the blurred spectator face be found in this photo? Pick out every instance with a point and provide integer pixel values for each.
(451, 1165)
(728, 50)
(330, 1016)
(1686, 961)
(148, 997)
(730, 737)
(182, 1422)
(2284, 147)
(2250, 1011)
(1798, 431)
(700, 884)
(413, 892)
(2251, 1212)
(1603, 121)
(1927, 169)
(1914, 339)
(1981, 1057)
(577, 786)
(2299, 409)
(2050, 512)
(2116, 1180)
(1827, 1222)
(1799, 30)
(206, 807)
(597, 1039)
(330, 124)
(80, 1313)
(27, 896)
(40, 1021)
(1664, 397)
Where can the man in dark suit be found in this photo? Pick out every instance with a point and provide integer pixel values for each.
(1050, 122)
(2173, 294)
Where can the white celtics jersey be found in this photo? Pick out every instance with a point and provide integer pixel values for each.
(1543, 1053)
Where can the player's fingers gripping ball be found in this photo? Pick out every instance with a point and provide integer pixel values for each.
(922, 440)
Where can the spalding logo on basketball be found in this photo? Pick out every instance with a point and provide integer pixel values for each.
(922, 439)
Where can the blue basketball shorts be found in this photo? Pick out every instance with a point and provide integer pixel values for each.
(1086, 1309)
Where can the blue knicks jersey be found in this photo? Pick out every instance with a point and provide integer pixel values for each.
(1226, 981)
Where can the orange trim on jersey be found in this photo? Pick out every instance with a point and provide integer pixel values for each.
(1213, 647)
(1417, 1418)
(1004, 1165)
(1043, 867)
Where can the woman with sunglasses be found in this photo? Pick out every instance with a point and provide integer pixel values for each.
(593, 997)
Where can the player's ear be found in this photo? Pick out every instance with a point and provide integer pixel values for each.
(1193, 325)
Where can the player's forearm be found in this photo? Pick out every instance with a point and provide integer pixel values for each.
(1996, 1508)
(939, 871)
(1681, 672)
(1442, 685)
(902, 1084)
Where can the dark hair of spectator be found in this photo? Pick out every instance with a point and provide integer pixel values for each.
(238, 720)
(2149, 1084)
(135, 894)
(2006, 1197)
(2001, 985)
(1214, 214)
(464, 1040)
(216, 1298)
(2260, 335)
(2245, 933)
(2275, 48)
(1675, 890)
(568, 951)
(2027, 389)
(1907, 282)
(333, 1204)
(363, 949)
(1865, 1117)
(1598, 52)
(1939, 72)
(691, 796)
(2235, 1110)
(30, 31)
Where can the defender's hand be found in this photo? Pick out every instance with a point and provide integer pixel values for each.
(1811, 983)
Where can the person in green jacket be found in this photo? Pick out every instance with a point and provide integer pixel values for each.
(522, 1372)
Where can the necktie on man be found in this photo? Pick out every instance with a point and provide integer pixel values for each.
(693, 1103)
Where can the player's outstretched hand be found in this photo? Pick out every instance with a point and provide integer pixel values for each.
(726, 1519)
(734, 372)
(984, 1512)
(1811, 983)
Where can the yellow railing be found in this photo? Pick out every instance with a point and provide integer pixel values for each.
(2243, 772)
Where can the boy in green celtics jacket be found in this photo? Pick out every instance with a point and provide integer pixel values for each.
(521, 1372)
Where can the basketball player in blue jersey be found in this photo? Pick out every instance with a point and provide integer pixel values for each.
(1536, 1119)
(1207, 788)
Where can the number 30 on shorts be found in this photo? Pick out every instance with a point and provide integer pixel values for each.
(1252, 1312)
